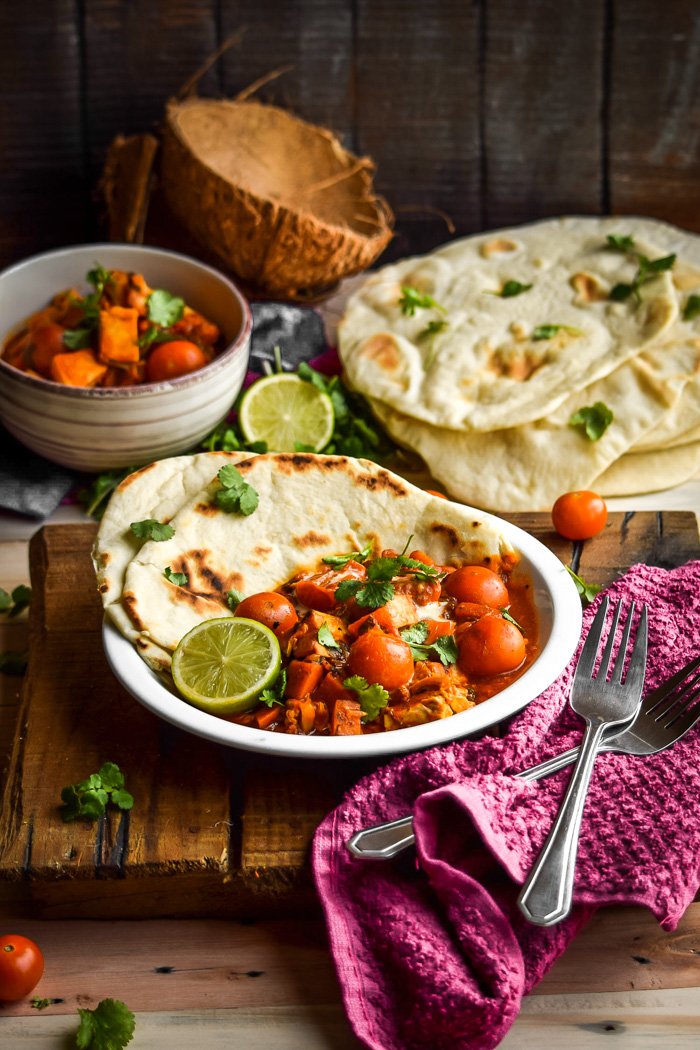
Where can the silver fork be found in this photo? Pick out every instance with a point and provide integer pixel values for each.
(545, 898)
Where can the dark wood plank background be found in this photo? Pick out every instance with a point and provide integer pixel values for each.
(490, 111)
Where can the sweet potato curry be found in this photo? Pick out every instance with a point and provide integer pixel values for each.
(371, 644)
(121, 334)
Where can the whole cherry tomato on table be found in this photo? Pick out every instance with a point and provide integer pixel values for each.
(474, 583)
(21, 966)
(381, 659)
(177, 358)
(492, 645)
(579, 515)
(271, 609)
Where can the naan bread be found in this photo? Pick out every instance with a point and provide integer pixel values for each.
(155, 491)
(640, 472)
(528, 467)
(310, 506)
(484, 371)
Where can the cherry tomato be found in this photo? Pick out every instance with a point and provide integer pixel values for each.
(422, 556)
(381, 659)
(21, 966)
(318, 591)
(579, 515)
(48, 341)
(491, 646)
(170, 360)
(271, 609)
(474, 583)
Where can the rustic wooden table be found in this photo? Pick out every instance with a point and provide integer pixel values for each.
(270, 981)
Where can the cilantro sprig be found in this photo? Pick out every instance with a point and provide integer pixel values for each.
(355, 431)
(88, 799)
(548, 331)
(81, 337)
(444, 647)
(372, 698)
(593, 420)
(15, 602)
(339, 561)
(512, 288)
(326, 637)
(274, 694)
(165, 309)
(234, 599)
(587, 591)
(180, 579)
(150, 529)
(378, 589)
(94, 496)
(235, 496)
(412, 299)
(647, 268)
(110, 1026)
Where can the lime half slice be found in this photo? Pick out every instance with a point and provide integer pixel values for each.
(285, 411)
(223, 665)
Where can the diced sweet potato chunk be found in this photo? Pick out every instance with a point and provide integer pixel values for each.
(119, 334)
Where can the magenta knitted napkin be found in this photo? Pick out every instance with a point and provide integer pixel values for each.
(435, 955)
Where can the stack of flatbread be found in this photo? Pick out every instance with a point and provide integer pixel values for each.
(480, 356)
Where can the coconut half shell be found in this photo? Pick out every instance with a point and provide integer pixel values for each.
(279, 200)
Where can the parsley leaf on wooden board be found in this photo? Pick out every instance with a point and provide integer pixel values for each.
(16, 602)
(593, 420)
(89, 798)
(180, 579)
(110, 1026)
(372, 698)
(587, 591)
(235, 496)
(38, 1003)
(150, 529)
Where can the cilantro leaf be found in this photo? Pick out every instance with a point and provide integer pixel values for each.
(416, 633)
(372, 698)
(355, 431)
(548, 331)
(412, 300)
(180, 579)
(93, 497)
(99, 278)
(274, 694)
(444, 647)
(620, 292)
(646, 268)
(150, 529)
(90, 797)
(235, 496)
(78, 338)
(325, 637)
(15, 603)
(587, 591)
(40, 1004)
(691, 310)
(373, 594)
(593, 419)
(165, 309)
(5, 600)
(339, 561)
(13, 662)
(347, 589)
(621, 242)
(234, 599)
(511, 619)
(512, 288)
(433, 328)
(110, 1026)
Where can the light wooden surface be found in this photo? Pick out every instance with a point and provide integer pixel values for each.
(229, 983)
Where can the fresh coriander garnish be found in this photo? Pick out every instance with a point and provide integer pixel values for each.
(16, 602)
(587, 591)
(548, 331)
(412, 300)
(110, 1026)
(40, 1004)
(234, 599)
(13, 662)
(355, 431)
(274, 694)
(99, 278)
(89, 798)
(94, 496)
(227, 438)
(180, 579)
(433, 328)
(325, 637)
(150, 529)
(378, 589)
(444, 647)
(165, 309)
(691, 310)
(154, 334)
(511, 619)
(339, 561)
(647, 268)
(512, 288)
(594, 420)
(372, 698)
(78, 338)
(235, 495)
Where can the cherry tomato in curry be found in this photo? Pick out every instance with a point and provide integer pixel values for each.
(491, 646)
(579, 515)
(474, 583)
(47, 340)
(21, 966)
(271, 609)
(381, 659)
(177, 358)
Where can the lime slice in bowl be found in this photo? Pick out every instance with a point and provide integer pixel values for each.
(223, 665)
(286, 412)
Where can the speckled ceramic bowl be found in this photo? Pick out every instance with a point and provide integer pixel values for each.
(96, 429)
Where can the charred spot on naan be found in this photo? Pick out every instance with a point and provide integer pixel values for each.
(382, 349)
(311, 539)
(207, 510)
(518, 362)
(203, 581)
(383, 481)
(497, 246)
(130, 605)
(588, 289)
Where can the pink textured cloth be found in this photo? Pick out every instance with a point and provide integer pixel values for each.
(435, 954)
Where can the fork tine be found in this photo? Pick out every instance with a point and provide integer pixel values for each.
(609, 642)
(636, 668)
(678, 697)
(688, 715)
(659, 695)
(589, 651)
(620, 659)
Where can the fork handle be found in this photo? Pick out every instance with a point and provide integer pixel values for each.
(545, 898)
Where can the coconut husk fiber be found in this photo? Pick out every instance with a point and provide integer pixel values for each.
(278, 200)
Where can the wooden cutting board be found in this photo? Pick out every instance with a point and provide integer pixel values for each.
(213, 831)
